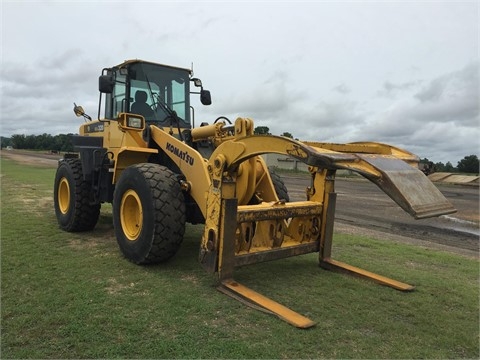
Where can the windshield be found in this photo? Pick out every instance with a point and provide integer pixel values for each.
(156, 91)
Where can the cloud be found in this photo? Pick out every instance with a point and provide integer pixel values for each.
(267, 100)
(452, 85)
(444, 115)
(390, 90)
(38, 98)
(342, 89)
(283, 107)
(332, 121)
(438, 119)
(452, 97)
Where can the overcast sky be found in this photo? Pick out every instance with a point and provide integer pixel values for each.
(404, 73)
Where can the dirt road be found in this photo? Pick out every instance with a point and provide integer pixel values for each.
(363, 209)
(32, 157)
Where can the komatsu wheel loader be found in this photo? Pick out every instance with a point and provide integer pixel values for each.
(159, 171)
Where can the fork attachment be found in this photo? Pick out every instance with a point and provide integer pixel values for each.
(258, 233)
(238, 233)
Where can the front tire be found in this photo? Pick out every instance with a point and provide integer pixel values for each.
(72, 198)
(148, 213)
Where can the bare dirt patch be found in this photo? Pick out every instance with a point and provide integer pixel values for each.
(32, 157)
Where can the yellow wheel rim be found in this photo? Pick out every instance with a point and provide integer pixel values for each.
(131, 215)
(63, 195)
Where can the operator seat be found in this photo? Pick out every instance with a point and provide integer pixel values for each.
(140, 105)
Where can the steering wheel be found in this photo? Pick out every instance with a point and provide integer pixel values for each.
(222, 118)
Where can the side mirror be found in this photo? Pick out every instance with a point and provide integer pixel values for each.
(205, 97)
(105, 84)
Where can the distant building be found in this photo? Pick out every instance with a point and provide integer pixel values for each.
(284, 162)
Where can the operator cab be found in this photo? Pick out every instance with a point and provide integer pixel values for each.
(160, 93)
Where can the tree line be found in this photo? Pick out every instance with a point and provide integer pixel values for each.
(62, 143)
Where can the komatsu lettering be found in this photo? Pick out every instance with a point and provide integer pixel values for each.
(181, 154)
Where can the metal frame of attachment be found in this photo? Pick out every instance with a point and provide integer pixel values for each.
(228, 261)
(222, 248)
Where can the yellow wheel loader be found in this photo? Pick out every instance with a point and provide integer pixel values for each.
(159, 171)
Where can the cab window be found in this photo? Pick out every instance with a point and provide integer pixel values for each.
(163, 89)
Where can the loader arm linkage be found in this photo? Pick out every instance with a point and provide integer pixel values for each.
(237, 235)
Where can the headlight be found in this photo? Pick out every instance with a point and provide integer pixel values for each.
(134, 122)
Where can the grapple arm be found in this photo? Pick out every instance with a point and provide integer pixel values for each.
(393, 170)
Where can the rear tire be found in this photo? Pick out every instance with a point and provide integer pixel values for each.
(148, 213)
(279, 186)
(72, 198)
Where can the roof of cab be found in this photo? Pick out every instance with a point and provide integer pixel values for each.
(132, 61)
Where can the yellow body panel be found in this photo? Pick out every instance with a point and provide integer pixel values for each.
(126, 145)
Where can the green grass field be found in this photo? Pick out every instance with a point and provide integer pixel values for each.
(67, 295)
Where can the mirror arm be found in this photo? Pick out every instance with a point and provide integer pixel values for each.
(99, 105)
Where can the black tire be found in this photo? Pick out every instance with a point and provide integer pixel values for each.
(72, 198)
(148, 213)
(279, 186)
